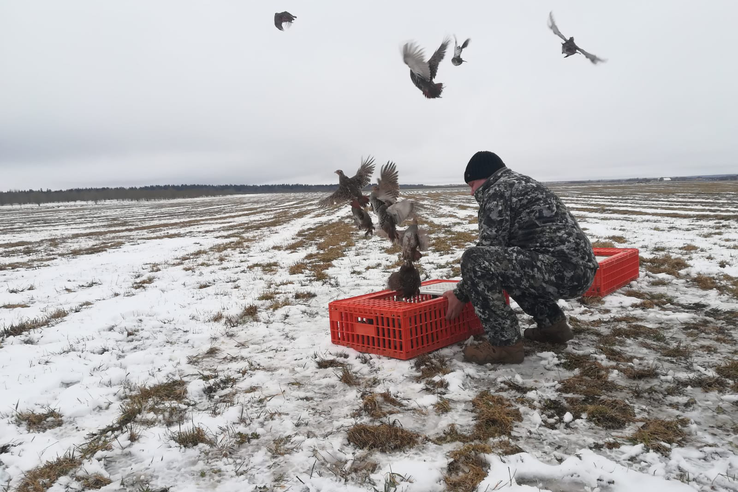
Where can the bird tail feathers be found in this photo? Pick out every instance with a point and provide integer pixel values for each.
(435, 90)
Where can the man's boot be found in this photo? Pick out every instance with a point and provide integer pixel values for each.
(485, 353)
(557, 333)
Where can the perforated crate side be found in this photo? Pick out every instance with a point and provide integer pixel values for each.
(381, 324)
(620, 268)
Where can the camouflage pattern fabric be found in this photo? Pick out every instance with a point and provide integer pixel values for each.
(529, 245)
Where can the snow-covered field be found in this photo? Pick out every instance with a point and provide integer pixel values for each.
(184, 345)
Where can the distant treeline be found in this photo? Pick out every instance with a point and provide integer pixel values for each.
(166, 192)
(160, 192)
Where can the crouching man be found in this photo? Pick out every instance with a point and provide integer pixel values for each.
(529, 245)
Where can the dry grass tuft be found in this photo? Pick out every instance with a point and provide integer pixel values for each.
(347, 377)
(39, 421)
(298, 268)
(190, 438)
(636, 331)
(467, 467)
(603, 244)
(506, 447)
(94, 481)
(248, 313)
(591, 383)
(608, 413)
(574, 361)
(383, 437)
(34, 323)
(91, 447)
(591, 300)
(678, 352)
(14, 306)
(617, 239)
(327, 363)
(729, 370)
(614, 354)
(520, 388)
(372, 404)
(156, 399)
(665, 264)
(706, 383)
(431, 366)
(689, 248)
(639, 373)
(281, 446)
(97, 248)
(704, 282)
(43, 477)
(271, 267)
(268, 295)
(495, 416)
(656, 433)
(442, 406)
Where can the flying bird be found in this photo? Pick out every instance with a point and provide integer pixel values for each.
(406, 281)
(423, 73)
(349, 188)
(457, 60)
(414, 240)
(402, 210)
(569, 47)
(283, 17)
(383, 195)
(362, 218)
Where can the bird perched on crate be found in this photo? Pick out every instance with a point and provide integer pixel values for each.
(283, 18)
(349, 188)
(569, 47)
(423, 73)
(383, 195)
(406, 280)
(413, 240)
(457, 60)
(362, 218)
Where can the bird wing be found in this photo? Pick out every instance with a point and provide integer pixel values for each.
(414, 57)
(437, 57)
(552, 26)
(457, 50)
(342, 194)
(402, 210)
(594, 59)
(422, 239)
(278, 21)
(466, 43)
(388, 184)
(364, 174)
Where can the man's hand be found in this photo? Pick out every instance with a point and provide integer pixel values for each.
(454, 305)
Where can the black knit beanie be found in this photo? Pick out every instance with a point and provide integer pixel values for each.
(482, 165)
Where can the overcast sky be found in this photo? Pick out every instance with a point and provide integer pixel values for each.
(138, 92)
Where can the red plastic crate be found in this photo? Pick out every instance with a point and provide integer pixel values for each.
(620, 268)
(381, 323)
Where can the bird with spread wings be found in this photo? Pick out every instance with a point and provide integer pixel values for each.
(350, 188)
(423, 73)
(569, 47)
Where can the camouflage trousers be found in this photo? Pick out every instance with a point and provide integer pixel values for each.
(535, 281)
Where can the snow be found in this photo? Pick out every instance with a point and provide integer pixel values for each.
(150, 301)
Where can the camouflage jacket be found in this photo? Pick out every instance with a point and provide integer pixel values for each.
(516, 210)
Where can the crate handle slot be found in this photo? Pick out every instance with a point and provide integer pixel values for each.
(365, 326)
